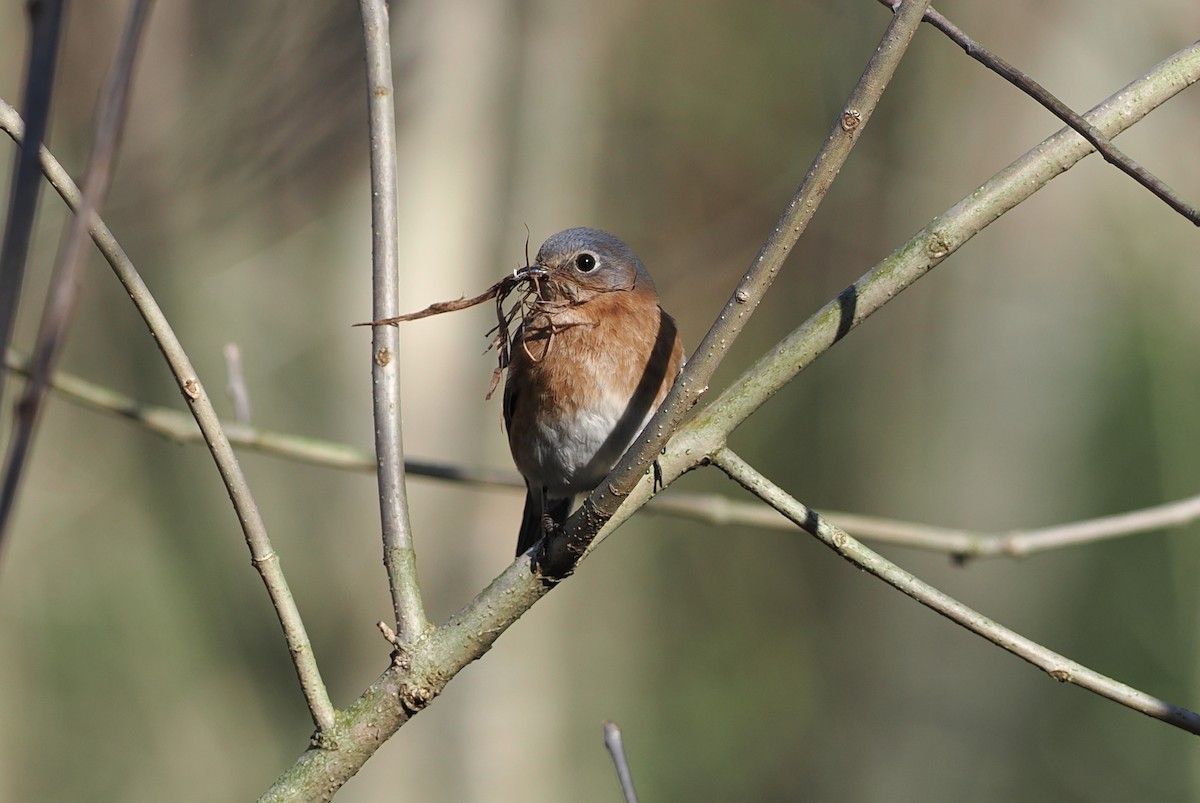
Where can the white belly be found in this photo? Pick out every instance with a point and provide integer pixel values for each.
(574, 453)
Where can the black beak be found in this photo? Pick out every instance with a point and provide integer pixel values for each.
(530, 272)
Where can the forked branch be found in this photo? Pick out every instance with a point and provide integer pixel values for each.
(1057, 666)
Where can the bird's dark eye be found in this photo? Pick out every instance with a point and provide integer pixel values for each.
(586, 263)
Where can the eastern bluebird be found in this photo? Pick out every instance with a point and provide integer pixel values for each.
(589, 365)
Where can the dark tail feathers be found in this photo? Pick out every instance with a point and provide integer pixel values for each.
(533, 519)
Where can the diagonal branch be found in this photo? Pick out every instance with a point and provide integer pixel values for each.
(564, 551)
(263, 555)
(398, 554)
(1059, 667)
(64, 280)
(1062, 111)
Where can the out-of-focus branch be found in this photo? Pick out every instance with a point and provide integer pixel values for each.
(263, 555)
(1057, 666)
(1062, 111)
(64, 279)
(960, 544)
(45, 29)
(565, 550)
(398, 554)
(235, 384)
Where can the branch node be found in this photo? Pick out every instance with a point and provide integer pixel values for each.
(938, 246)
(414, 698)
(389, 635)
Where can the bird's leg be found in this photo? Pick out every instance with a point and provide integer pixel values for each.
(541, 554)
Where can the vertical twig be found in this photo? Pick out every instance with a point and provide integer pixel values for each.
(616, 749)
(564, 552)
(239, 393)
(398, 554)
(60, 302)
(45, 28)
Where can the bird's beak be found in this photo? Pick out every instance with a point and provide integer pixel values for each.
(530, 272)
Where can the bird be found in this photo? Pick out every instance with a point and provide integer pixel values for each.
(592, 360)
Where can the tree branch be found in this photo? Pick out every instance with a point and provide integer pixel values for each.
(235, 384)
(1057, 666)
(1062, 111)
(616, 749)
(263, 555)
(398, 554)
(960, 544)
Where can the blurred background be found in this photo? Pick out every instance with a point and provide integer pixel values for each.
(1047, 372)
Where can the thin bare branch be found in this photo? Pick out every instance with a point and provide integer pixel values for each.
(960, 544)
(1021, 543)
(45, 29)
(1057, 666)
(616, 749)
(64, 280)
(565, 550)
(1062, 111)
(263, 555)
(398, 554)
